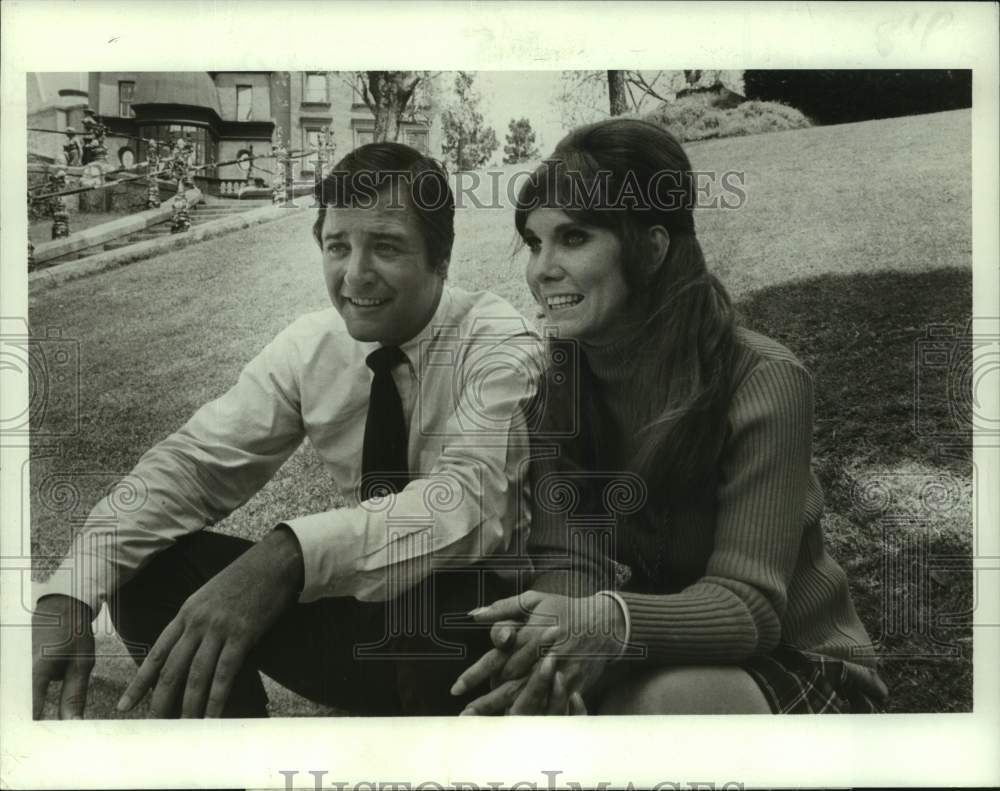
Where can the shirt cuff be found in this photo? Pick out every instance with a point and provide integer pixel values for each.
(628, 618)
(62, 582)
(328, 551)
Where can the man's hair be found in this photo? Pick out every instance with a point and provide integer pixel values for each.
(416, 182)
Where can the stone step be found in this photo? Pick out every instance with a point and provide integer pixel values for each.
(200, 214)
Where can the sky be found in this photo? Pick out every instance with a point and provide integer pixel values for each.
(522, 94)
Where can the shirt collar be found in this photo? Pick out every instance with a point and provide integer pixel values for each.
(431, 330)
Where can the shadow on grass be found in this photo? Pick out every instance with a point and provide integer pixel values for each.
(894, 456)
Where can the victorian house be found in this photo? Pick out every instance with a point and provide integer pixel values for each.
(226, 115)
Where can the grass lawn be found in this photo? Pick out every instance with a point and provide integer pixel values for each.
(853, 240)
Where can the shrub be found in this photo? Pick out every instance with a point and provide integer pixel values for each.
(837, 96)
(691, 120)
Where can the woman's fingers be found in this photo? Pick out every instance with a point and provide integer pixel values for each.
(558, 697)
(534, 697)
(528, 653)
(504, 633)
(514, 607)
(576, 705)
(496, 701)
(199, 677)
(487, 666)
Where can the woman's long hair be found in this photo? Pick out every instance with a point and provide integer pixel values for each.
(628, 176)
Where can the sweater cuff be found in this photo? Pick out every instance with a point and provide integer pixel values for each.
(628, 619)
(708, 626)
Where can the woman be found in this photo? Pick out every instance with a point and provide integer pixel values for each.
(721, 596)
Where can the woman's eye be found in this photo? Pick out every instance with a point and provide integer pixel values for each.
(336, 248)
(574, 238)
(386, 249)
(534, 245)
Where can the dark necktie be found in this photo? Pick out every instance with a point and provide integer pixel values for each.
(384, 466)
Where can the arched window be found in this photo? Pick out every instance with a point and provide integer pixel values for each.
(126, 156)
(243, 159)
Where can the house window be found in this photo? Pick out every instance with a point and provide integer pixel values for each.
(312, 138)
(418, 139)
(126, 91)
(364, 136)
(244, 102)
(126, 157)
(359, 88)
(315, 88)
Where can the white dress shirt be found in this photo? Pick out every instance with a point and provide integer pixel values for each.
(467, 375)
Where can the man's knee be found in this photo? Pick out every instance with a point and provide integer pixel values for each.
(143, 606)
(686, 690)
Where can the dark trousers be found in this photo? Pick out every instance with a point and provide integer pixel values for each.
(383, 658)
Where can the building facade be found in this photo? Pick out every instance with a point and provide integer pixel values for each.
(227, 115)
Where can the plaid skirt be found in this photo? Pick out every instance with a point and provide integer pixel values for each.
(800, 682)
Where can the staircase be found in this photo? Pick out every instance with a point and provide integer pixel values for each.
(211, 209)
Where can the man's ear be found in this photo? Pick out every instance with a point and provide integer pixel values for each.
(659, 242)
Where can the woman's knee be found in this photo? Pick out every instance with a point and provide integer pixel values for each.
(686, 690)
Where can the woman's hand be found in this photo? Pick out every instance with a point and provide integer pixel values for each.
(544, 692)
(580, 637)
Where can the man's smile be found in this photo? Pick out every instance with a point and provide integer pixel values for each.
(365, 302)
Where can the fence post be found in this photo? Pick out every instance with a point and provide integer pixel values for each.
(181, 219)
(60, 216)
(280, 179)
(152, 171)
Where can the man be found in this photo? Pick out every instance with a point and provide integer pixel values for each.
(412, 394)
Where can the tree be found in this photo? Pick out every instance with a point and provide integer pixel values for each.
(520, 142)
(616, 92)
(393, 97)
(589, 96)
(468, 142)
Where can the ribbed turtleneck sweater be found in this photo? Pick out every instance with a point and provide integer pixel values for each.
(735, 578)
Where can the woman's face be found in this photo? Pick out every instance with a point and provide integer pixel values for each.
(575, 274)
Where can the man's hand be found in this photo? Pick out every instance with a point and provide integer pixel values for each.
(62, 649)
(200, 652)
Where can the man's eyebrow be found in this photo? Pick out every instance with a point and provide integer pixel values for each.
(374, 233)
(396, 235)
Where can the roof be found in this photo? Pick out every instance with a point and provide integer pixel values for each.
(193, 88)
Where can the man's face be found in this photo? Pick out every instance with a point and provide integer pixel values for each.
(377, 272)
